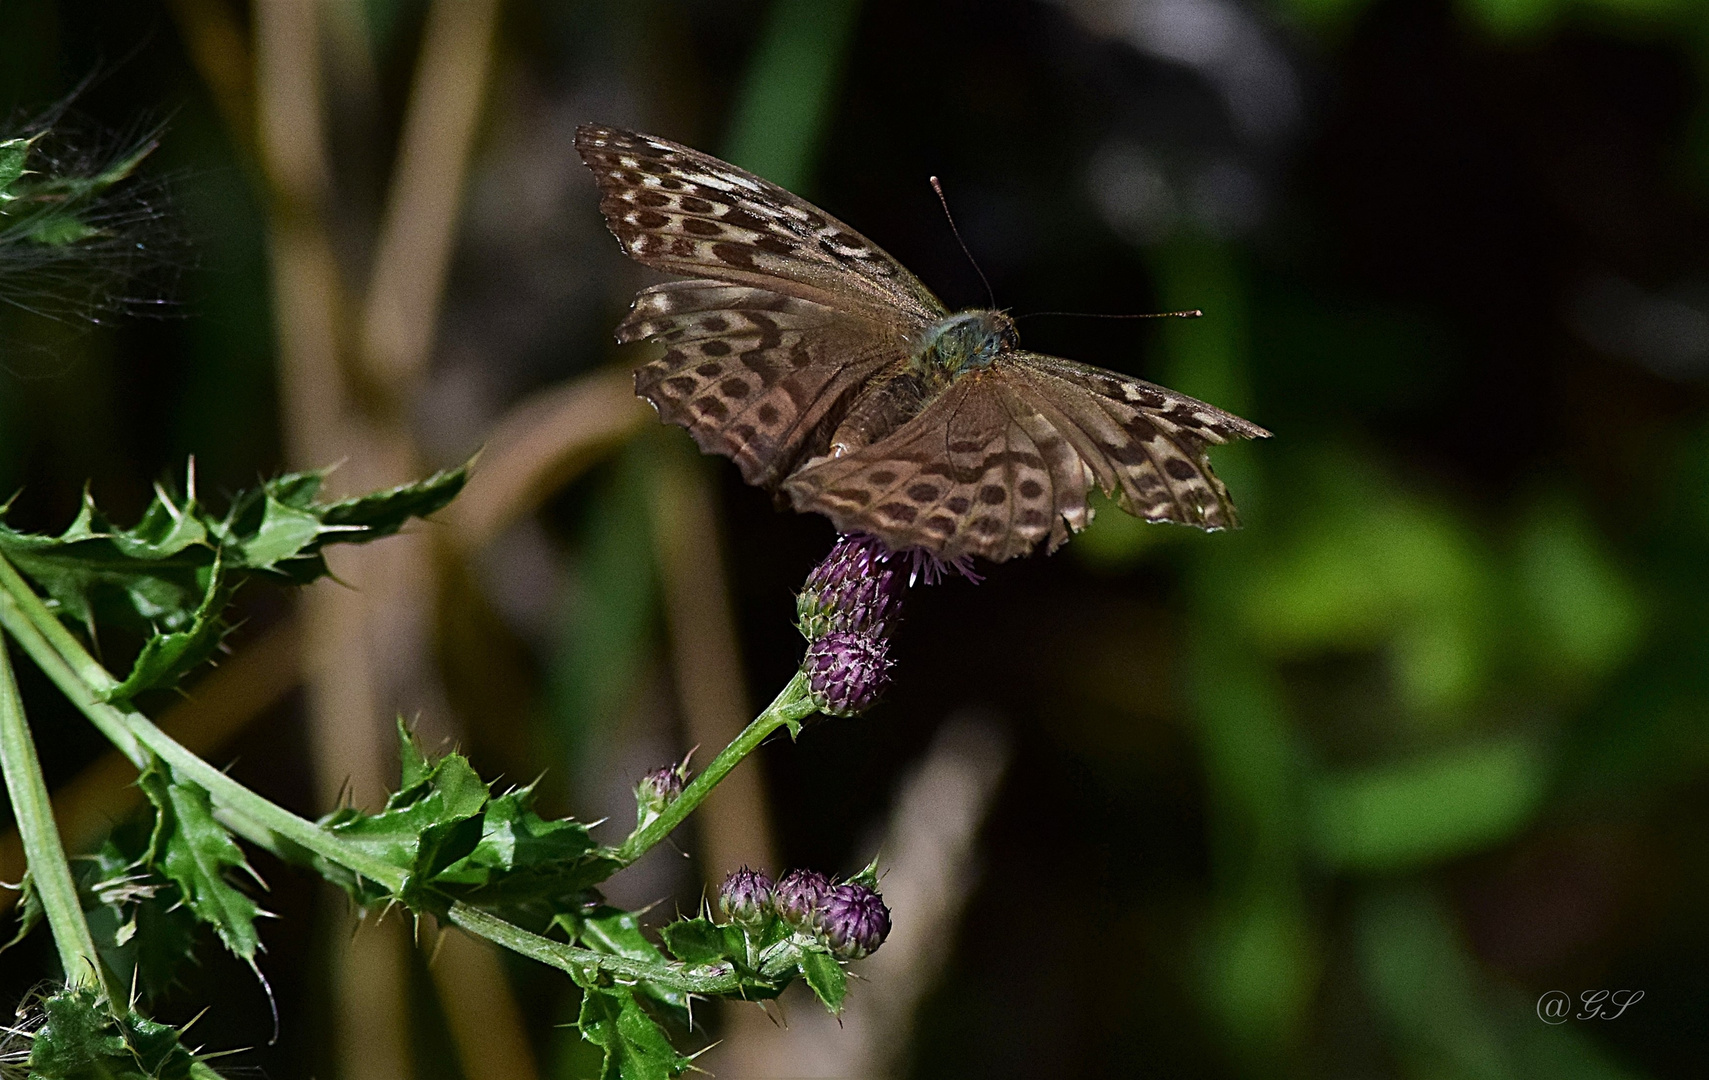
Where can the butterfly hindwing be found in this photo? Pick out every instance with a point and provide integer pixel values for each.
(688, 213)
(1006, 456)
(750, 373)
(977, 472)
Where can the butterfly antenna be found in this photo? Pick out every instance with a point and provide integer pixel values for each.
(1192, 313)
(939, 188)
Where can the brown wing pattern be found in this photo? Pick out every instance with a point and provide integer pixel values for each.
(751, 374)
(1206, 422)
(978, 472)
(789, 314)
(688, 213)
(1006, 456)
(1144, 443)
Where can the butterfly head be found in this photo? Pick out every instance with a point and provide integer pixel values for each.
(964, 342)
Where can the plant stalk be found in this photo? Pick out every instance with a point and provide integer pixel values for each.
(792, 705)
(706, 979)
(43, 851)
(78, 675)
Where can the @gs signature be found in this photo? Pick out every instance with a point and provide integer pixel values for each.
(1556, 1006)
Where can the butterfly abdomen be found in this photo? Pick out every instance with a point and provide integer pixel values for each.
(882, 407)
(963, 342)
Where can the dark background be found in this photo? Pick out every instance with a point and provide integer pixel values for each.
(1338, 795)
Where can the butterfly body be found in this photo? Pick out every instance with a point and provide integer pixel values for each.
(965, 340)
(830, 374)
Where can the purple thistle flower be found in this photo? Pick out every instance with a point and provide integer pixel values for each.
(800, 899)
(847, 672)
(856, 589)
(745, 897)
(928, 569)
(657, 790)
(855, 921)
(664, 783)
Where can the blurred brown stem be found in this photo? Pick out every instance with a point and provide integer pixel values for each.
(419, 227)
(539, 446)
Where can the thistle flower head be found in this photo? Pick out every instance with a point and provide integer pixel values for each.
(856, 589)
(847, 672)
(855, 921)
(657, 790)
(800, 899)
(746, 897)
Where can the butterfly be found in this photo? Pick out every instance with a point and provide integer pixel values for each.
(830, 374)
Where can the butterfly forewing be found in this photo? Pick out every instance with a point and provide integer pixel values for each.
(679, 210)
(1144, 443)
(750, 373)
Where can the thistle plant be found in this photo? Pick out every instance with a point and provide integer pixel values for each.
(446, 844)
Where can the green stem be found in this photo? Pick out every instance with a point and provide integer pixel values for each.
(264, 823)
(63, 641)
(78, 675)
(15, 617)
(791, 706)
(705, 979)
(43, 852)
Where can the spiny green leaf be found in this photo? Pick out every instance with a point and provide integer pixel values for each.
(867, 875)
(382, 513)
(75, 1035)
(29, 909)
(195, 852)
(618, 932)
(283, 533)
(81, 1037)
(424, 828)
(169, 577)
(417, 767)
(168, 657)
(826, 977)
(636, 1048)
(134, 913)
(457, 842)
(701, 941)
(612, 930)
(14, 154)
(59, 230)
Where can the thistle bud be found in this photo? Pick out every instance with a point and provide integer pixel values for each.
(847, 672)
(800, 899)
(855, 921)
(657, 790)
(856, 589)
(745, 897)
